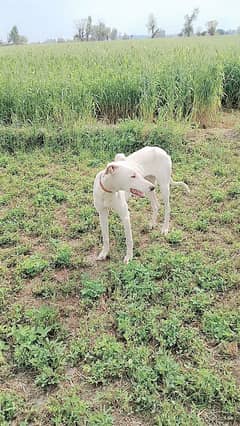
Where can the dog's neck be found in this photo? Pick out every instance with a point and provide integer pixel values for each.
(102, 185)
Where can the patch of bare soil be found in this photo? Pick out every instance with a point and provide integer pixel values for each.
(236, 369)
(120, 420)
(25, 296)
(61, 215)
(61, 275)
(226, 126)
(23, 384)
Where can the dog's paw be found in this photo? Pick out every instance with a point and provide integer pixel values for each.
(127, 259)
(102, 256)
(164, 231)
(152, 225)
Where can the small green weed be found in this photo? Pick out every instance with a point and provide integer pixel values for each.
(32, 266)
(105, 361)
(226, 217)
(175, 414)
(136, 323)
(10, 406)
(100, 419)
(222, 325)
(79, 350)
(8, 239)
(84, 222)
(92, 290)
(203, 387)
(175, 237)
(217, 196)
(136, 282)
(49, 195)
(68, 409)
(209, 278)
(37, 348)
(63, 255)
(234, 191)
(143, 378)
(170, 377)
(201, 225)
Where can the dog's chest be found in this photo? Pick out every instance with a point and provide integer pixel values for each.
(107, 201)
(113, 200)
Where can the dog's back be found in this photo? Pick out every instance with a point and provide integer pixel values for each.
(150, 160)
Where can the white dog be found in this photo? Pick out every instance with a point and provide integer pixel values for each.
(136, 174)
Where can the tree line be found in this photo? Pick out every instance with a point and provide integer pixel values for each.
(86, 30)
(188, 30)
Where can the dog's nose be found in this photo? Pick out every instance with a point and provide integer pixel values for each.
(152, 187)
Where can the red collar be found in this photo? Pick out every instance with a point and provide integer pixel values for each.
(103, 187)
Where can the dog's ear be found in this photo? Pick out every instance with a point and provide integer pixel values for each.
(111, 169)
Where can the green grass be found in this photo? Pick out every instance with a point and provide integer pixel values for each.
(10, 405)
(153, 342)
(151, 80)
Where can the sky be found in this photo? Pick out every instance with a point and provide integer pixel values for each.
(39, 20)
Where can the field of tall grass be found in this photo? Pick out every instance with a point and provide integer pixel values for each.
(150, 80)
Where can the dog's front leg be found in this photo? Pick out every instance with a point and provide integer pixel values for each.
(125, 217)
(103, 216)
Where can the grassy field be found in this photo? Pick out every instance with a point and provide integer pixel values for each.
(153, 343)
(172, 78)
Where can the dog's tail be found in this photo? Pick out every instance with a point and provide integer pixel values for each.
(184, 185)
(119, 157)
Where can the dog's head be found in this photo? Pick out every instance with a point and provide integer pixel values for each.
(124, 178)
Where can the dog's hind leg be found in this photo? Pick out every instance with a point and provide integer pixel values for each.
(155, 207)
(128, 235)
(122, 210)
(165, 191)
(154, 201)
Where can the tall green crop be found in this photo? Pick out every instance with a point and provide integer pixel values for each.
(110, 81)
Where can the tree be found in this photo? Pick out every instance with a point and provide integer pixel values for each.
(88, 27)
(113, 34)
(100, 32)
(81, 29)
(86, 31)
(220, 31)
(161, 33)
(152, 25)
(22, 40)
(211, 27)
(188, 23)
(14, 36)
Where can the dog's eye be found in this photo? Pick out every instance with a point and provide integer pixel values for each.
(133, 176)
